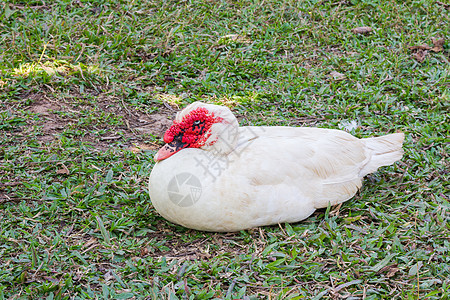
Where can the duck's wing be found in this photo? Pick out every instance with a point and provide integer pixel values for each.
(324, 164)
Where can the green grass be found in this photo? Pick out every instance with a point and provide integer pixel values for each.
(85, 84)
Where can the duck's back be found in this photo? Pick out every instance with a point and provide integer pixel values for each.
(322, 164)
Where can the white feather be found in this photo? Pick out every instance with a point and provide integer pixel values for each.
(271, 175)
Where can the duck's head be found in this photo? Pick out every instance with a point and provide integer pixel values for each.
(205, 126)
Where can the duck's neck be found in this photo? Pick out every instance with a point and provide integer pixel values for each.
(223, 137)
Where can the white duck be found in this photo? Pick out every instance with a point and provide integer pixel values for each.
(213, 175)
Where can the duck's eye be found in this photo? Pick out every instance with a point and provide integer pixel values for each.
(196, 122)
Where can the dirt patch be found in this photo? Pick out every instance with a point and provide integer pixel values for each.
(43, 106)
(99, 120)
(155, 124)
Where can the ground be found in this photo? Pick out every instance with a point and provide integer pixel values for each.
(87, 90)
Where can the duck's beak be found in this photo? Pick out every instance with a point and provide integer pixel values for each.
(169, 149)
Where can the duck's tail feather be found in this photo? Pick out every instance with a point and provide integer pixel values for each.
(385, 150)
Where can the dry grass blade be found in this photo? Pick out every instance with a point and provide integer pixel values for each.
(438, 45)
(420, 55)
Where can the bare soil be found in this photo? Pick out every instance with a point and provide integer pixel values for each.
(103, 121)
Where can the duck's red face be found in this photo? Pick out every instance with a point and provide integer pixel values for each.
(191, 132)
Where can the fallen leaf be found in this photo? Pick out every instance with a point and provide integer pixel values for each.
(438, 45)
(420, 55)
(336, 75)
(390, 269)
(420, 47)
(63, 170)
(362, 30)
(144, 251)
(392, 272)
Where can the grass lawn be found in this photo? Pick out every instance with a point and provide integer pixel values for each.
(87, 88)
